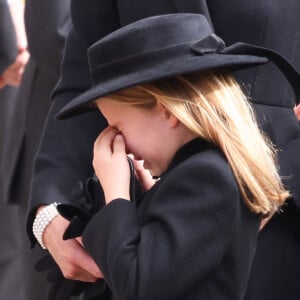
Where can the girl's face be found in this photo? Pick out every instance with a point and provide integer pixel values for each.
(151, 135)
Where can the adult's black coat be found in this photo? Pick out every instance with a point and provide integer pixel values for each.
(59, 174)
(276, 266)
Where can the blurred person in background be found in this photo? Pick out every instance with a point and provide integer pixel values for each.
(47, 24)
(13, 58)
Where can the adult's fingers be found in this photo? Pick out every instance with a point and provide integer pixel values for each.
(85, 262)
(74, 262)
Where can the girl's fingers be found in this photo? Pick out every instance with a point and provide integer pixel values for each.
(119, 144)
(143, 175)
(105, 138)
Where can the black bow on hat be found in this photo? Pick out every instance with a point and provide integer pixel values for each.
(163, 46)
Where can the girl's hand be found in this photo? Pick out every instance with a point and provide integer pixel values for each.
(111, 165)
(144, 176)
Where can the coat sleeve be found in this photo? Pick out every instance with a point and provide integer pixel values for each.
(185, 235)
(8, 43)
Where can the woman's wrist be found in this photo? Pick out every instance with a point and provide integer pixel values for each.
(45, 215)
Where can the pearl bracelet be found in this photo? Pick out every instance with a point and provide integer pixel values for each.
(42, 220)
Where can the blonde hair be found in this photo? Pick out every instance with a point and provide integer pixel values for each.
(213, 106)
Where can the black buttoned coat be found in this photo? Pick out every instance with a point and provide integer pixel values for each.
(189, 237)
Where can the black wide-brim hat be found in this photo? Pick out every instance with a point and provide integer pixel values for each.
(160, 47)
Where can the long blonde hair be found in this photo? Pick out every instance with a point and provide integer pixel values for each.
(213, 106)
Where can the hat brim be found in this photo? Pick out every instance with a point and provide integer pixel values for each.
(81, 104)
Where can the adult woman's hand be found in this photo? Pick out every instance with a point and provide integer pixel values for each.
(70, 255)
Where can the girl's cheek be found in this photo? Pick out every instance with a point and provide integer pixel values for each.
(131, 150)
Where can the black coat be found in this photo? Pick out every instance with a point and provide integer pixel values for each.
(276, 266)
(189, 237)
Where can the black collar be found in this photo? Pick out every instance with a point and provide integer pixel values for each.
(187, 150)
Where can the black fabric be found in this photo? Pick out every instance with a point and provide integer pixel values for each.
(92, 200)
(284, 66)
(276, 265)
(187, 239)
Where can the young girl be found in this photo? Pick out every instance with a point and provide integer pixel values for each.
(208, 173)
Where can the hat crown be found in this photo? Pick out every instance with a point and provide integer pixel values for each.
(164, 46)
(149, 35)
